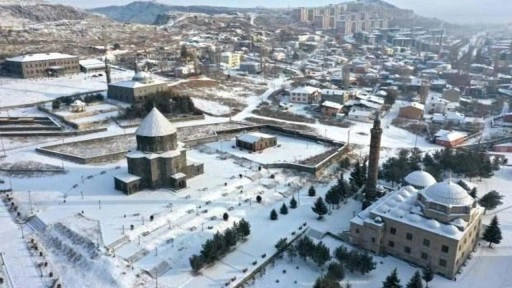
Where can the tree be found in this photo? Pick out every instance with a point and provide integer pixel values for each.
(326, 282)
(244, 228)
(321, 254)
(281, 244)
(341, 253)
(230, 237)
(56, 104)
(311, 191)
(284, 209)
(225, 216)
(273, 214)
(304, 247)
(332, 196)
(358, 175)
(293, 203)
(320, 208)
(258, 199)
(427, 274)
(335, 271)
(292, 252)
(491, 200)
(392, 280)
(492, 233)
(415, 281)
(196, 262)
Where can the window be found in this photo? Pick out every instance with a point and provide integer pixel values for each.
(424, 256)
(444, 249)
(392, 230)
(357, 231)
(407, 249)
(391, 244)
(373, 239)
(408, 236)
(426, 242)
(442, 262)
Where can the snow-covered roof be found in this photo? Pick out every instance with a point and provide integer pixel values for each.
(362, 113)
(332, 92)
(127, 177)
(415, 105)
(448, 193)
(135, 84)
(40, 57)
(449, 135)
(253, 137)
(155, 124)
(305, 90)
(167, 154)
(178, 175)
(331, 104)
(420, 178)
(91, 63)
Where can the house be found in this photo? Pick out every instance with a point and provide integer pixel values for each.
(505, 147)
(305, 95)
(424, 222)
(507, 117)
(435, 104)
(361, 115)
(412, 110)
(449, 138)
(91, 65)
(42, 65)
(256, 141)
(334, 95)
(438, 118)
(472, 123)
(330, 109)
(453, 117)
(451, 95)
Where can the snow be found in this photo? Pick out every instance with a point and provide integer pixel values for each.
(40, 57)
(211, 107)
(155, 124)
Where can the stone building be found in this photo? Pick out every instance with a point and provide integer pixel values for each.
(159, 161)
(424, 222)
(136, 90)
(42, 65)
(373, 158)
(256, 141)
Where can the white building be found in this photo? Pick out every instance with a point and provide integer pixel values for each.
(305, 95)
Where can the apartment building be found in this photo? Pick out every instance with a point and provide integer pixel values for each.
(42, 65)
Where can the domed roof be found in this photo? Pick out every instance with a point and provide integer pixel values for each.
(155, 124)
(448, 193)
(420, 178)
(142, 77)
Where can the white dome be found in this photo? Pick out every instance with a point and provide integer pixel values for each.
(450, 229)
(433, 224)
(397, 212)
(398, 198)
(413, 218)
(384, 208)
(142, 77)
(448, 194)
(392, 203)
(420, 178)
(155, 124)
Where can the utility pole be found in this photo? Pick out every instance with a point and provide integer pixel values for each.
(30, 202)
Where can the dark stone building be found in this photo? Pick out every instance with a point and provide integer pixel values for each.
(159, 161)
(373, 159)
(256, 141)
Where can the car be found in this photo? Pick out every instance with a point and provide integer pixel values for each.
(204, 211)
(208, 202)
(146, 233)
(190, 211)
(213, 218)
(170, 240)
(231, 208)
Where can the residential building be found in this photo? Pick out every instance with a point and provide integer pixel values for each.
(305, 95)
(136, 90)
(42, 65)
(231, 59)
(360, 115)
(256, 141)
(330, 109)
(449, 138)
(504, 148)
(334, 95)
(159, 161)
(452, 95)
(507, 117)
(412, 110)
(424, 222)
(92, 65)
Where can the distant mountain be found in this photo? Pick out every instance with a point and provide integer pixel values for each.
(144, 12)
(379, 3)
(18, 12)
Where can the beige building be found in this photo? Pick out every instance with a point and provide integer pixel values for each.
(424, 222)
(412, 111)
(136, 90)
(42, 65)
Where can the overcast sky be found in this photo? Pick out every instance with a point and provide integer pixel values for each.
(450, 10)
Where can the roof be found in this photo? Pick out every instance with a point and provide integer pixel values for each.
(331, 104)
(155, 124)
(253, 137)
(40, 57)
(91, 63)
(363, 113)
(448, 193)
(415, 105)
(420, 178)
(333, 92)
(127, 177)
(449, 135)
(305, 90)
(135, 84)
(167, 154)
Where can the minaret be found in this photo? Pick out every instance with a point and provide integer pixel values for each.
(107, 71)
(373, 161)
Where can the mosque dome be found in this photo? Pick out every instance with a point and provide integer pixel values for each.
(142, 77)
(449, 194)
(420, 179)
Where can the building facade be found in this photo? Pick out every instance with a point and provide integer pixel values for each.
(412, 111)
(136, 90)
(256, 141)
(159, 161)
(424, 222)
(42, 65)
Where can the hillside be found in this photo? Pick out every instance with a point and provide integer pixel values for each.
(21, 12)
(143, 12)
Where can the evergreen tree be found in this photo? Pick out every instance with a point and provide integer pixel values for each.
(321, 254)
(495, 163)
(326, 282)
(220, 246)
(427, 274)
(208, 251)
(196, 263)
(392, 281)
(492, 233)
(273, 214)
(491, 200)
(320, 208)
(341, 254)
(281, 244)
(312, 191)
(284, 209)
(332, 197)
(293, 203)
(292, 252)
(305, 246)
(335, 271)
(365, 263)
(358, 175)
(244, 228)
(415, 281)
(56, 104)
(230, 237)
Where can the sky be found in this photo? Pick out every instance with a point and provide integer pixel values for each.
(456, 11)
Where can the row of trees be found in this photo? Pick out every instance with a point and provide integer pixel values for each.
(67, 100)
(166, 102)
(354, 260)
(284, 209)
(218, 246)
(416, 281)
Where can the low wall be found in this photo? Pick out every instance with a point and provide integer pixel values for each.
(53, 133)
(172, 120)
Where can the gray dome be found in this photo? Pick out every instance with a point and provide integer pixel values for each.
(420, 178)
(155, 124)
(142, 77)
(448, 193)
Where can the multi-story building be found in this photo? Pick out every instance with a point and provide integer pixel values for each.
(232, 59)
(305, 95)
(42, 65)
(424, 222)
(136, 90)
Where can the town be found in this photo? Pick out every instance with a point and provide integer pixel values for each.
(348, 145)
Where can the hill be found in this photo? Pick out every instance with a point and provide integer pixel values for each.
(21, 12)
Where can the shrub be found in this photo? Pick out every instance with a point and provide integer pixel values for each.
(56, 104)
(225, 216)
(258, 199)
(273, 214)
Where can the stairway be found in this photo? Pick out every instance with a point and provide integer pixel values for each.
(36, 223)
(118, 243)
(137, 256)
(315, 234)
(159, 269)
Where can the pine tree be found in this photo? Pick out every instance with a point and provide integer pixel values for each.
(427, 274)
(320, 208)
(332, 197)
(244, 228)
(273, 214)
(492, 233)
(335, 271)
(305, 246)
(281, 244)
(230, 237)
(196, 262)
(292, 252)
(321, 254)
(312, 191)
(415, 281)
(325, 282)
(358, 175)
(284, 209)
(293, 203)
(491, 200)
(392, 281)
